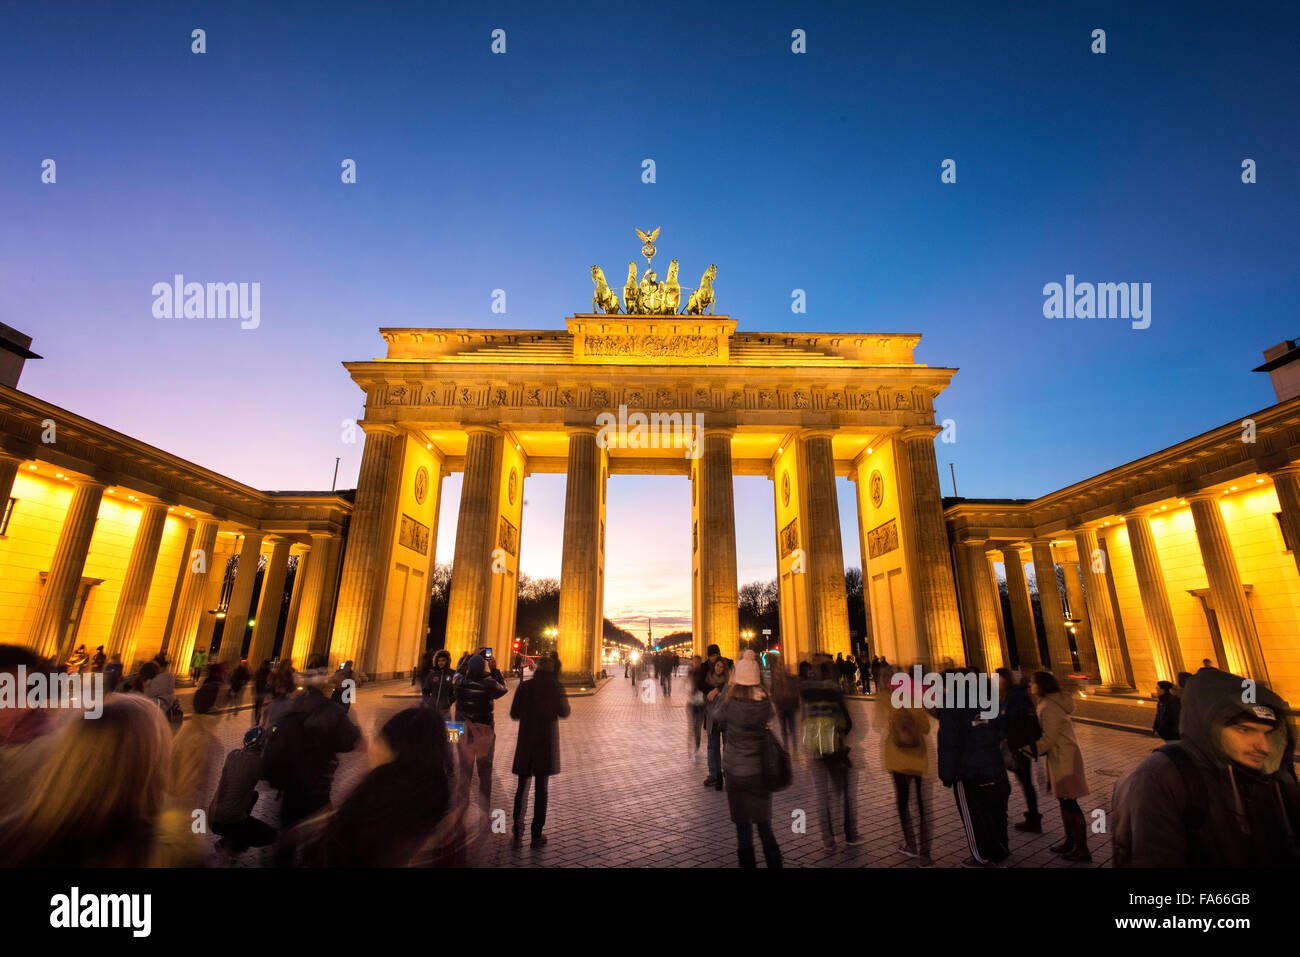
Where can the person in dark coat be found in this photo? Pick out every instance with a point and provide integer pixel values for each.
(747, 710)
(1224, 794)
(261, 688)
(970, 762)
(440, 685)
(326, 733)
(538, 706)
(1018, 724)
(1168, 708)
(476, 689)
(395, 807)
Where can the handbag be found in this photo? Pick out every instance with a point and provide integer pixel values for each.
(777, 773)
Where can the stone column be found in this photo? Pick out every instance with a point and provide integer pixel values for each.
(9, 464)
(925, 537)
(269, 602)
(995, 597)
(295, 604)
(50, 626)
(309, 585)
(717, 542)
(580, 559)
(189, 610)
(829, 621)
(987, 608)
(1111, 595)
(1083, 621)
(1237, 628)
(241, 596)
(1286, 483)
(476, 531)
(1022, 612)
(328, 596)
(1165, 652)
(134, 595)
(1049, 597)
(367, 558)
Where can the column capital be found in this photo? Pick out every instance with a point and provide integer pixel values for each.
(816, 433)
(1202, 496)
(483, 429)
(727, 431)
(918, 432)
(379, 428)
(571, 430)
(1291, 468)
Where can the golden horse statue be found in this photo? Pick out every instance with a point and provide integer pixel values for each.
(703, 297)
(604, 298)
(631, 295)
(672, 294)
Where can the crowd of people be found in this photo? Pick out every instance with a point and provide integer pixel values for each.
(126, 789)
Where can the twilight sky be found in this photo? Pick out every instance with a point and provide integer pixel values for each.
(818, 171)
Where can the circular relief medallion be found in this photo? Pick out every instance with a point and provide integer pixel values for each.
(513, 485)
(877, 489)
(421, 484)
(785, 488)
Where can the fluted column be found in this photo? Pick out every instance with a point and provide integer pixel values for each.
(1022, 612)
(269, 602)
(1286, 483)
(295, 603)
(1049, 598)
(329, 593)
(1236, 627)
(1165, 651)
(717, 542)
(476, 530)
(199, 564)
(995, 596)
(982, 597)
(9, 464)
(579, 642)
(241, 596)
(1083, 620)
(926, 540)
(134, 596)
(50, 625)
(829, 624)
(367, 557)
(311, 578)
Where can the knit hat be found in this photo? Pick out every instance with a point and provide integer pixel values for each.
(747, 670)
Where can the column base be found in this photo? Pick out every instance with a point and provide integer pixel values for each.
(577, 680)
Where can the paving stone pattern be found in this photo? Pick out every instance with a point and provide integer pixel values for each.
(630, 795)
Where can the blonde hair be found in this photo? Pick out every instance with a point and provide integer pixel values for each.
(98, 793)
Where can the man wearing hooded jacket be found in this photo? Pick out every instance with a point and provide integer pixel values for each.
(1225, 795)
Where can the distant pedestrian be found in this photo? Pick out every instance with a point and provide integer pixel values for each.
(113, 674)
(422, 669)
(747, 711)
(1065, 774)
(198, 661)
(538, 706)
(864, 671)
(1168, 711)
(239, 679)
(785, 699)
(97, 661)
(1019, 728)
(261, 687)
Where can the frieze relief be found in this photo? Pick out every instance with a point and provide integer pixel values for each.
(882, 539)
(790, 537)
(684, 346)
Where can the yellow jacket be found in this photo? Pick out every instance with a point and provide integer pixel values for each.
(902, 760)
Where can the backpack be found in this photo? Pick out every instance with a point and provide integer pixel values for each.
(904, 731)
(284, 757)
(823, 735)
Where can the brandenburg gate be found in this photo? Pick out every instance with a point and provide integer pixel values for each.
(596, 399)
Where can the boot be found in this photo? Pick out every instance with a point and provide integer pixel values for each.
(1079, 827)
(746, 855)
(1066, 846)
(1032, 824)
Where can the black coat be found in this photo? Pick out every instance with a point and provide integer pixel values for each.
(1167, 717)
(439, 688)
(538, 705)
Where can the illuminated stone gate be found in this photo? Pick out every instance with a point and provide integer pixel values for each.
(501, 404)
